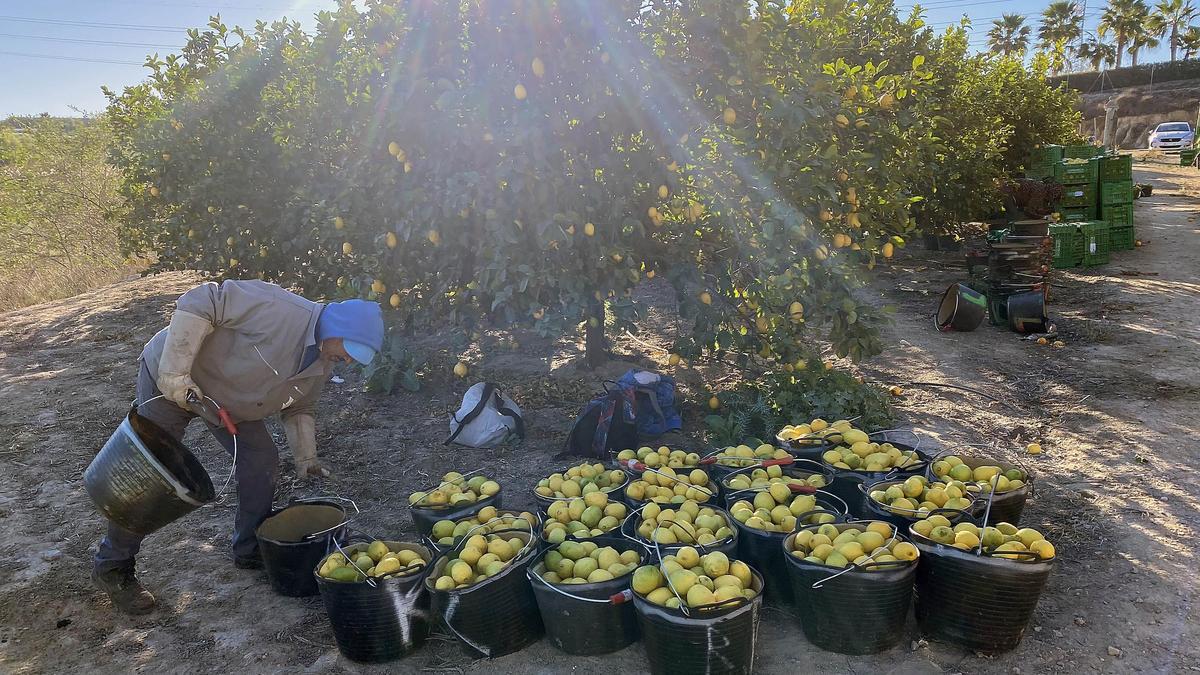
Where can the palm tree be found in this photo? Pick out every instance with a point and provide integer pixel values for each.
(1189, 40)
(1124, 19)
(1061, 22)
(1144, 38)
(1097, 52)
(1009, 35)
(1170, 18)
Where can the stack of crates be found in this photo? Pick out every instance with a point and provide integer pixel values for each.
(1078, 176)
(1068, 245)
(1116, 200)
(1040, 164)
(1095, 243)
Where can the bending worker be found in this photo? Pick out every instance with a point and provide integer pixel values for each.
(256, 349)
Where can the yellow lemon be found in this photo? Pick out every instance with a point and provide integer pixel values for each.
(538, 68)
(589, 229)
(347, 248)
(729, 115)
(519, 92)
(460, 369)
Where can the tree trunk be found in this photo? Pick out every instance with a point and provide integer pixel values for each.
(1174, 41)
(1120, 52)
(1133, 58)
(595, 348)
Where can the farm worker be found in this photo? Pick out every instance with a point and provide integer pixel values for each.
(257, 350)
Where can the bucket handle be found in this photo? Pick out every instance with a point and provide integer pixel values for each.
(856, 567)
(616, 599)
(533, 528)
(633, 464)
(309, 500)
(915, 513)
(370, 582)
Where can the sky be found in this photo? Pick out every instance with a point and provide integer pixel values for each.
(56, 54)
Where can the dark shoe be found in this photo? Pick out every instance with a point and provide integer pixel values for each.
(248, 562)
(125, 591)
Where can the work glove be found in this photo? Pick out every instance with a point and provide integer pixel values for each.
(184, 337)
(302, 437)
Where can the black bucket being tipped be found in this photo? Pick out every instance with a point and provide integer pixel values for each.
(962, 308)
(592, 618)
(381, 619)
(720, 640)
(143, 478)
(295, 538)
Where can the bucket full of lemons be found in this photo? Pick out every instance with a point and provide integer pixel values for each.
(446, 533)
(767, 511)
(1006, 486)
(853, 584)
(375, 598)
(481, 595)
(978, 587)
(579, 481)
(903, 502)
(698, 614)
(876, 457)
(582, 592)
(663, 530)
(456, 496)
(809, 440)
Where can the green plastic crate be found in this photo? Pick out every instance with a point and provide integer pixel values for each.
(1083, 173)
(1116, 192)
(1047, 154)
(1078, 214)
(1040, 170)
(1120, 237)
(1068, 245)
(1075, 196)
(1095, 243)
(1119, 167)
(1187, 156)
(1117, 214)
(1082, 151)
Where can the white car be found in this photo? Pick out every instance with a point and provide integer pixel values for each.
(1172, 136)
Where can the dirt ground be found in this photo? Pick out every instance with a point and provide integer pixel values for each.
(1116, 490)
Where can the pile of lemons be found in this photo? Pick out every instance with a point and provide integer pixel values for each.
(772, 474)
(667, 486)
(455, 490)
(917, 497)
(578, 481)
(487, 521)
(581, 517)
(690, 523)
(819, 431)
(583, 562)
(776, 509)
(373, 560)
(864, 455)
(663, 456)
(981, 478)
(687, 577)
(740, 456)
(845, 545)
(1005, 540)
(481, 557)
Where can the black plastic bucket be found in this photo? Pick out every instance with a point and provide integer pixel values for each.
(869, 508)
(425, 516)
(1027, 312)
(143, 478)
(294, 539)
(962, 309)
(728, 545)
(380, 620)
(859, 612)
(979, 602)
(719, 641)
(587, 624)
(494, 617)
(763, 551)
(1006, 506)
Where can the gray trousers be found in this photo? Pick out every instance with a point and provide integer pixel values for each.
(257, 470)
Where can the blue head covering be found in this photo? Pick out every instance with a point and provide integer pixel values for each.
(358, 322)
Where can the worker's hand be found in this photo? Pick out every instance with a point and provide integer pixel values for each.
(176, 387)
(302, 437)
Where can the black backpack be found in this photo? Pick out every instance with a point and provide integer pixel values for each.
(607, 425)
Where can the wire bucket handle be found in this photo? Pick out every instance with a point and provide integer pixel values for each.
(311, 500)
